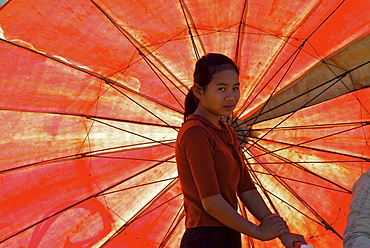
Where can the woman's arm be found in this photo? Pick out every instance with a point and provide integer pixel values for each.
(272, 227)
(257, 206)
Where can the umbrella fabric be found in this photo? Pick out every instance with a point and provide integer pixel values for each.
(92, 96)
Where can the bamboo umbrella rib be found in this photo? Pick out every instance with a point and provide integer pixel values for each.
(136, 134)
(336, 79)
(322, 222)
(95, 153)
(110, 82)
(294, 55)
(314, 126)
(288, 145)
(297, 165)
(101, 192)
(188, 19)
(139, 185)
(288, 116)
(327, 18)
(295, 180)
(176, 221)
(239, 42)
(141, 213)
(140, 47)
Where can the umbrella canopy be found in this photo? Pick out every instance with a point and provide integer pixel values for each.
(92, 96)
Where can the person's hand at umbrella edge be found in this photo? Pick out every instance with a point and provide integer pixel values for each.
(273, 223)
(221, 210)
(256, 205)
(288, 239)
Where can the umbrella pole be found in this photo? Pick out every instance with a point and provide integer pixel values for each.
(301, 245)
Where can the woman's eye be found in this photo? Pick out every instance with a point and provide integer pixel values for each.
(236, 88)
(222, 88)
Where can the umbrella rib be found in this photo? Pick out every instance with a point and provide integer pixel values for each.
(241, 33)
(299, 48)
(320, 126)
(130, 158)
(79, 202)
(140, 47)
(146, 96)
(152, 66)
(156, 116)
(82, 155)
(294, 56)
(175, 223)
(141, 213)
(79, 155)
(327, 18)
(299, 211)
(55, 59)
(337, 79)
(136, 134)
(93, 74)
(293, 112)
(295, 180)
(298, 197)
(101, 193)
(121, 229)
(297, 165)
(139, 185)
(95, 117)
(256, 179)
(308, 141)
(348, 72)
(310, 162)
(188, 17)
(114, 83)
(312, 126)
(267, 193)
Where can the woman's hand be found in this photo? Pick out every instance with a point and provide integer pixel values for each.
(271, 227)
(288, 239)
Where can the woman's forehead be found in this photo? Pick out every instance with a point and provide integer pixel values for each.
(226, 77)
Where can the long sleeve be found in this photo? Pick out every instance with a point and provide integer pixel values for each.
(357, 232)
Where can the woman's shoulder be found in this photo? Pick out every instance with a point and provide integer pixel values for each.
(194, 126)
(195, 130)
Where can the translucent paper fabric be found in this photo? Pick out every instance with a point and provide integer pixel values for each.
(92, 96)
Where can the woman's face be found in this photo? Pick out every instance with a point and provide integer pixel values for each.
(220, 96)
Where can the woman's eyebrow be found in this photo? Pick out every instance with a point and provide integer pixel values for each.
(222, 84)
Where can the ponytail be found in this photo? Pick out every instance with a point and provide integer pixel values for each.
(191, 104)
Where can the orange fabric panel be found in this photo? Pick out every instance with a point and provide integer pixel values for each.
(267, 69)
(155, 224)
(58, 186)
(328, 126)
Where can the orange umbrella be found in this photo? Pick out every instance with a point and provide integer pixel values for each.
(92, 98)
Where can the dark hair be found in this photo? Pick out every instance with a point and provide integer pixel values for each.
(205, 68)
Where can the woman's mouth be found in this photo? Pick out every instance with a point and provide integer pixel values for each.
(229, 107)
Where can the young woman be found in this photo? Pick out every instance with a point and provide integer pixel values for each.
(211, 166)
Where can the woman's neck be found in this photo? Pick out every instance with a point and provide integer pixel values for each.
(214, 119)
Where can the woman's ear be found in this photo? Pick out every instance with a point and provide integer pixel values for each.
(197, 90)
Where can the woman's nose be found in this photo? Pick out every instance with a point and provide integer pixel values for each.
(232, 96)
